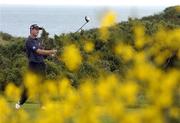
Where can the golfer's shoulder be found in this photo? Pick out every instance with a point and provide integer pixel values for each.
(28, 41)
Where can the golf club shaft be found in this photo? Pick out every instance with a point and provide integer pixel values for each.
(81, 27)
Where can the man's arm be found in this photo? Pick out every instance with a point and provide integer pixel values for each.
(31, 45)
(46, 52)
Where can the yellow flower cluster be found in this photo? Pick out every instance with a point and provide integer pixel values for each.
(89, 46)
(72, 57)
(109, 19)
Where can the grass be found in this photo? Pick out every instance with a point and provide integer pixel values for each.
(31, 108)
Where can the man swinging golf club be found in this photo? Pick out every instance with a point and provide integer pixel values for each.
(35, 54)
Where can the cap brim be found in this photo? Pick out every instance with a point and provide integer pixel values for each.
(40, 28)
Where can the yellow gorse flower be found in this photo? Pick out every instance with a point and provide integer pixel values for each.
(139, 36)
(88, 46)
(72, 57)
(109, 19)
(12, 91)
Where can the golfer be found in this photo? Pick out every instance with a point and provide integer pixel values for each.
(35, 54)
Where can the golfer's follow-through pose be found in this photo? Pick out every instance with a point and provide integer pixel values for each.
(35, 54)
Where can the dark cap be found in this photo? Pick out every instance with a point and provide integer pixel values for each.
(35, 26)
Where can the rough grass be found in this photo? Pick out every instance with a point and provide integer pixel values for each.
(31, 108)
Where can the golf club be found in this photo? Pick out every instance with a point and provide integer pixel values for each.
(87, 19)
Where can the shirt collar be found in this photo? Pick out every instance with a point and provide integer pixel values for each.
(33, 38)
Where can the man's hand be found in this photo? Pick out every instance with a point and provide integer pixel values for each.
(53, 53)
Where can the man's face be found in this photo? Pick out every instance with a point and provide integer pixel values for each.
(35, 32)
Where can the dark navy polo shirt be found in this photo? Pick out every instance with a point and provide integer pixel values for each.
(32, 44)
